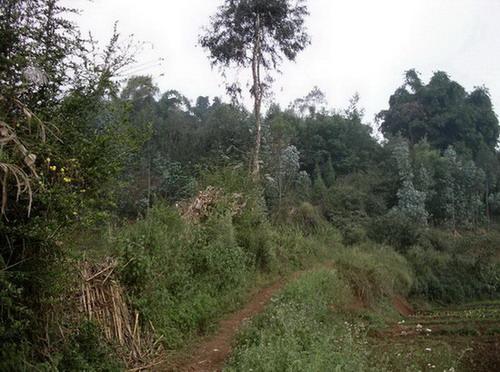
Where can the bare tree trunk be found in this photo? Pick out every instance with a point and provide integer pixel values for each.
(257, 95)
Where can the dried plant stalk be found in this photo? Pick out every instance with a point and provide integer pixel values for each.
(102, 299)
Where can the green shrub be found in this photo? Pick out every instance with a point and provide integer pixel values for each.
(453, 277)
(87, 351)
(295, 250)
(353, 234)
(306, 217)
(253, 231)
(255, 235)
(182, 276)
(394, 230)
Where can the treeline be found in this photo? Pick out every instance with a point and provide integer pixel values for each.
(446, 176)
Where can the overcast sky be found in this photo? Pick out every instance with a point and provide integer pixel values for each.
(357, 45)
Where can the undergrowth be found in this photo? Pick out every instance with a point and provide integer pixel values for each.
(182, 276)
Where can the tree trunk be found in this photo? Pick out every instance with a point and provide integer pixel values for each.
(487, 201)
(257, 95)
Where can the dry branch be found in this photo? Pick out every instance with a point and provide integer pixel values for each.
(102, 299)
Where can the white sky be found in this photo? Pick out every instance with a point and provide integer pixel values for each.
(357, 45)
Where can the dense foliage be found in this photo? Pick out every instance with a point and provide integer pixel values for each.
(92, 169)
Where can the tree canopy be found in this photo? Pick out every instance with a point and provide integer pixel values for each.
(442, 112)
(259, 34)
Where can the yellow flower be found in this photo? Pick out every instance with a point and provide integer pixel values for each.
(67, 179)
(53, 168)
(62, 170)
(48, 160)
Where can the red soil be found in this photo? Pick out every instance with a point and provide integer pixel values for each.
(402, 306)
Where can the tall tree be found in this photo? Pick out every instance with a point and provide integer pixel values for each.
(256, 34)
(443, 112)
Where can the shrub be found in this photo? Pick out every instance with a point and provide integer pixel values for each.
(306, 217)
(87, 351)
(394, 230)
(353, 234)
(182, 276)
(253, 231)
(452, 277)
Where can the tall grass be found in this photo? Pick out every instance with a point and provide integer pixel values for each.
(374, 272)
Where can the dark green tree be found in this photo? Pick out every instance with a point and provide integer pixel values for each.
(443, 113)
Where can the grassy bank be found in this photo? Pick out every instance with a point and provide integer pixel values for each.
(314, 324)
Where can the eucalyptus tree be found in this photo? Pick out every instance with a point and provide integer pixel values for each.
(256, 34)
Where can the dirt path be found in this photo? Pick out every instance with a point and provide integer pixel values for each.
(211, 352)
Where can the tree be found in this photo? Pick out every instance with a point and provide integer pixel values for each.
(256, 34)
(443, 112)
(411, 202)
(346, 140)
(311, 104)
(35, 45)
(285, 174)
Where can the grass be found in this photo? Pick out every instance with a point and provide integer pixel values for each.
(300, 332)
(341, 319)
(319, 322)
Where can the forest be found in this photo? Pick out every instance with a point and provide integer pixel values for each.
(135, 221)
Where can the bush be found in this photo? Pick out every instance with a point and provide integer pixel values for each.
(394, 230)
(295, 250)
(87, 351)
(253, 231)
(181, 276)
(452, 277)
(353, 234)
(305, 217)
